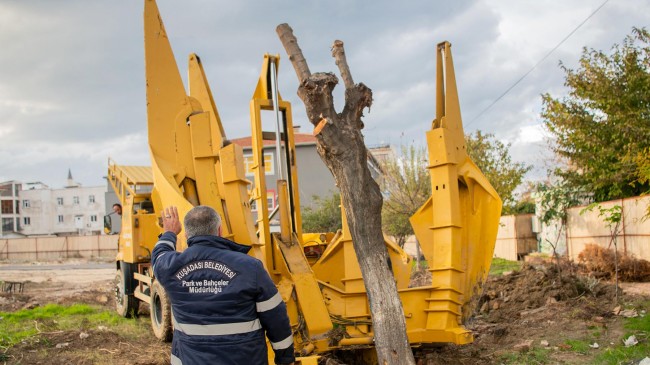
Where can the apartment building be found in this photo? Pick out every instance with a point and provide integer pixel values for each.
(10, 209)
(33, 208)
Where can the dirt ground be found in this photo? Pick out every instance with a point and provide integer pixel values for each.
(69, 282)
(529, 309)
(540, 308)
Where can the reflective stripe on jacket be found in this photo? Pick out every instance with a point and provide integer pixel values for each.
(223, 303)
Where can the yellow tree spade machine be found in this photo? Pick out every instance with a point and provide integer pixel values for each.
(193, 163)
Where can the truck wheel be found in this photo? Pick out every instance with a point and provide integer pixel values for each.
(161, 316)
(126, 305)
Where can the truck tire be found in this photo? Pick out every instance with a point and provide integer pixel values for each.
(161, 316)
(126, 305)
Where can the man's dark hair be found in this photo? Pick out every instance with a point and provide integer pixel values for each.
(117, 205)
(202, 221)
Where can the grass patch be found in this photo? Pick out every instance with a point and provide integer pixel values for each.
(423, 265)
(578, 346)
(499, 266)
(20, 325)
(640, 328)
(535, 356)
(641, 323)
(623, 355)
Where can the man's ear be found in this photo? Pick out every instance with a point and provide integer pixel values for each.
(219, 231)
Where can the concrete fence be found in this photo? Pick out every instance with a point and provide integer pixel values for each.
(515, 237)
(51, 248)
(588, 228)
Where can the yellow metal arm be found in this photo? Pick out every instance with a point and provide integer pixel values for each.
(457, 226)
(191, 163)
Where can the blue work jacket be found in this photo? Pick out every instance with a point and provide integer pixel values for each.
(223, 303)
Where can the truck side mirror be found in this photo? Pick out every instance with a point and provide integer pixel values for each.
(108, 224)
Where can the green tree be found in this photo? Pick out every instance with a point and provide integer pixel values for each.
(406, 186)
(325, 216)
(554, 200)
(603, 123)
(642, 160)
(396, 225)
(524, 206)
(493, 158)
(526, 201)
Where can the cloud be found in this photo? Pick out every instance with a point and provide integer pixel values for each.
(72, 85)
(531, 134)
(86, 159)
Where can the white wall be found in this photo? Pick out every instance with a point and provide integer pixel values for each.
(39, 211)
(44, 211)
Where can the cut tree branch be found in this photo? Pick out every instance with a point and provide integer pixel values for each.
(338, 52)
(293, 50)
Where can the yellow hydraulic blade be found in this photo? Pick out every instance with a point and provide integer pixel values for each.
(168, 108)
(457, 226)
(200, 89)
(168, 105)
(221, 182)
(190, 164)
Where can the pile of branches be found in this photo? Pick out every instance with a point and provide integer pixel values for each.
(600, 262)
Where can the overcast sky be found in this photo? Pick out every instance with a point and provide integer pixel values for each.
(72, 86)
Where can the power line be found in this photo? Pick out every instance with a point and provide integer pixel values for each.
(537, 64)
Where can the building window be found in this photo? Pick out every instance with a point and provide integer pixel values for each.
(91, 198)
(27, 221)
(93, 218)
(60, 219)
(26, 204)
(250, 164)
(59, 201)
(5, 190)
(75, 200)
(7, 207)
(270, 201)
(7, 224)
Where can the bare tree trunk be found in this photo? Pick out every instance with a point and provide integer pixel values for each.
(342, 148)
(614, 240)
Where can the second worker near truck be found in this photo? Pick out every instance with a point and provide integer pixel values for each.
(223, 300)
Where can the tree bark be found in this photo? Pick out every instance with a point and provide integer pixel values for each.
(341, 146)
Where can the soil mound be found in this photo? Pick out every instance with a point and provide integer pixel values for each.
(534, 287)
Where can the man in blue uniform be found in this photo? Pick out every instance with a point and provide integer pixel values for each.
(223, 301)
